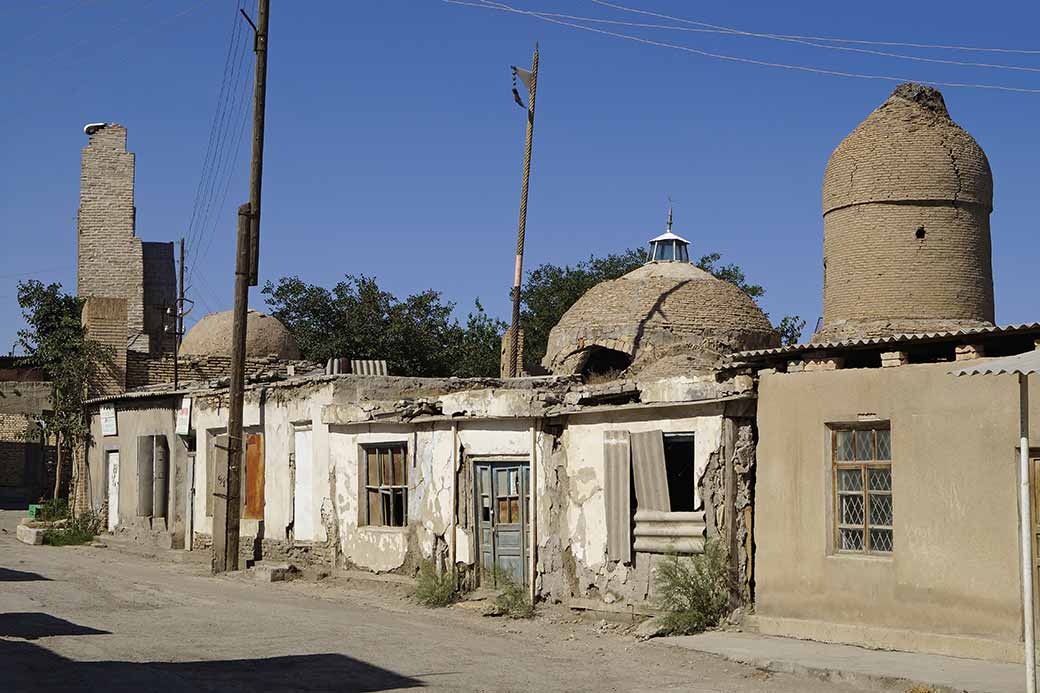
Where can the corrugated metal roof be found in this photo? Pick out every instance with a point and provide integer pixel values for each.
(893, 339)
(1020, 364)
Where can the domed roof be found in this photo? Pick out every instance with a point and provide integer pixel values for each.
(908, 149)
(662, 309)
(265, 336)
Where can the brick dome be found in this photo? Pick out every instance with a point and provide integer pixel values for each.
(265, 336)
(667, 312)
(906, 203)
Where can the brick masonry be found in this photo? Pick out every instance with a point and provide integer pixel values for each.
(906, 204)
(659, 309)
(111, 258)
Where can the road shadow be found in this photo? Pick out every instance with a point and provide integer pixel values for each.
(10, 575)
(30, 625)
(31, 668)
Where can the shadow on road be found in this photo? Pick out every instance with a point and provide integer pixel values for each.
(33, 624)
(31, 668)
(9, 575)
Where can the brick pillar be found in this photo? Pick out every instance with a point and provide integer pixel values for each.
(110, 258)
(105, 320)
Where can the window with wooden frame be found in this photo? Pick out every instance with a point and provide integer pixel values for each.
(385, 471)
(861, 458)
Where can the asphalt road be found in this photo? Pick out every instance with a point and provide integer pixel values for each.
(98, 619)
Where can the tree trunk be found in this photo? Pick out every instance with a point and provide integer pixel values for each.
(57, 465)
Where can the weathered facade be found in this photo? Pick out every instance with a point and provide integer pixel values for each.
(911, 545)
(309, 493)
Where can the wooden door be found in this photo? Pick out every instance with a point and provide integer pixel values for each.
(253, 479)
(502, 492)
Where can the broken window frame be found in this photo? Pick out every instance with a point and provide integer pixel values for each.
(864, 467)
(396, 489)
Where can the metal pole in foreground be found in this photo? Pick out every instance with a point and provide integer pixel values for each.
(514, 342)
(1026, 530)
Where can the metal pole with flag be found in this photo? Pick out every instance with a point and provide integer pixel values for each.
(530, 81)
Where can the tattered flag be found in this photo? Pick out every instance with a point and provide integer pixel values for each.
(525, 77)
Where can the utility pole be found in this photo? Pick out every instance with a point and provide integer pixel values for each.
(179, 325)
(515, 366)
(225, 537)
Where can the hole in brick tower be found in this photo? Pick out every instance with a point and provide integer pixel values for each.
(920, 233)
(678, 462)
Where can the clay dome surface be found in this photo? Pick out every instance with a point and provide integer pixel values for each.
(908, 149)
(671, 312)
(265, 336)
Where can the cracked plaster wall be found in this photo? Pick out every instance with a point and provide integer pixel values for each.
(573, 547)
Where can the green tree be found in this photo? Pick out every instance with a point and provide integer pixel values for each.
(356, 319)
(56, 341)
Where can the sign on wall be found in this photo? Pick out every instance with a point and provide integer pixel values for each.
(184, 417)
(108, 420)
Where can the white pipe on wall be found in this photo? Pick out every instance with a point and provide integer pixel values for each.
(452, 548)
(532, 521)
(1026, 529)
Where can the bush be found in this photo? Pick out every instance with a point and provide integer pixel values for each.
(513, 601)
(80, 530)
(693, 591)
(53, 510)
(435, 589)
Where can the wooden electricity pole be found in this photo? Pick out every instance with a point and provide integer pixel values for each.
(179, 318)
(515, 366)
(225, 538)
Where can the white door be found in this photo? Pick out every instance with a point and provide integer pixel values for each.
(305, 512)
(112, 464)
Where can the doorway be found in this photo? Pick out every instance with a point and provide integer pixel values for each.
(304, 517)
(112, 472)
(501, 497)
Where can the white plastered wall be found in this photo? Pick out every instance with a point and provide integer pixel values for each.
(584, 522)
(281, 411)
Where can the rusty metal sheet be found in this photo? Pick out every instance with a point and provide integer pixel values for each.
(253, 508)
(649, 471)
(617, 492)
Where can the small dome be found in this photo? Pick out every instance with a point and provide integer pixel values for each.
(908, 149)
(265, 336)
(671, 312)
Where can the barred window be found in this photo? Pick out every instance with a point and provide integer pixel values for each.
(386, 485)
(862, 463)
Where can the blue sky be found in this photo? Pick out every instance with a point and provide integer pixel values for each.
(393, 143)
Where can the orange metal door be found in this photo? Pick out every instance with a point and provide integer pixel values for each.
(253, 509)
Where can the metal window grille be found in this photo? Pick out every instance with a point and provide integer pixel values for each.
(386, 487)
(861, 459)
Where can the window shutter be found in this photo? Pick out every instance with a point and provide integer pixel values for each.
(617, 494)
(216, 459)
(649, 471)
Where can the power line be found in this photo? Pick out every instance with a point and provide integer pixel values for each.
(824, 38)
(219, 156)
(206, 160)
(732, 58)
(702, 28)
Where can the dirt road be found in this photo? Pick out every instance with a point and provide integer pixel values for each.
(98, 619)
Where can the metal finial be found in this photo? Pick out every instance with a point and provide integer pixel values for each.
(669, 213)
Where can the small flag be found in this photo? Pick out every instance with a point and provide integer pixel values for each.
(525, 77)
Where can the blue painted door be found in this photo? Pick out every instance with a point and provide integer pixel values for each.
(502, 491)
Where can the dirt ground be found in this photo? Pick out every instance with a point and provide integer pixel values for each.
(104, 619)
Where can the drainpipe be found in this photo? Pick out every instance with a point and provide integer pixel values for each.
(532, 522)
(1026, 530)
(452, 548)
